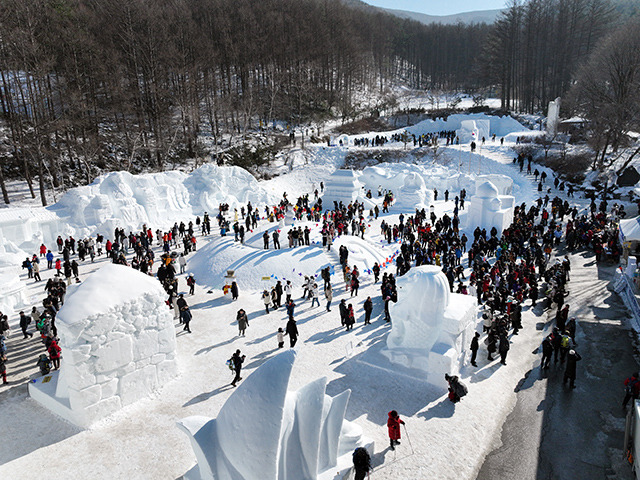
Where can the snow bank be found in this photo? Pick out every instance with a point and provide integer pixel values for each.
(118, 344)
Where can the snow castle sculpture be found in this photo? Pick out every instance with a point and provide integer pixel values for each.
(342, 186)
(264, 432)
(488, 209)
(432, 327)
(118, 345)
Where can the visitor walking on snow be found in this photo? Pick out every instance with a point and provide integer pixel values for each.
(361, 463)
(24, 323)
(368, 308)
(280, 337)
(393, 425)
(292, 331)
(475, 345)
(236, 362)
(266, 298)
(191, 283)
(182, 261)
(54, 354)
(243, 322)
(314, 295)
(185, 313)
(328, 294)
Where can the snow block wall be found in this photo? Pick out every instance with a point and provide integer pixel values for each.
(488, 209)
(118, 345)
(27, 228)
(432, 327)
(264, 432)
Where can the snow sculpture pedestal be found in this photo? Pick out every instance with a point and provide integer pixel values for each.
(264, 432)
(341, 186)
(489, 209)
(118, 346)
(431, 327)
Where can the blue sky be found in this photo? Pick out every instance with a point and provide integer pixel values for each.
(438, 7)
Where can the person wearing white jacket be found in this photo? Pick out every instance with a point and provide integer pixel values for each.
(314, 295)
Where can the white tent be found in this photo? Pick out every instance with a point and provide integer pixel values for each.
(630, 230)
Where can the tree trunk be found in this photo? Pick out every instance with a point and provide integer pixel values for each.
(5, 194)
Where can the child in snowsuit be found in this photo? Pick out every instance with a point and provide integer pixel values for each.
(393, 424)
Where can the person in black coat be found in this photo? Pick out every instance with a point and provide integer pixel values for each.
(503, 348)
(236, 362)
(474, 349)
(344, 312)
(368, 308)
(570, 370)
(24, 323)
(292, 331)
(547, 352)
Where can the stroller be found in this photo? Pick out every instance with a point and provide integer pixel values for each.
(44, 364)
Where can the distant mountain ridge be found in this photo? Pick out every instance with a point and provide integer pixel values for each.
(480, 16)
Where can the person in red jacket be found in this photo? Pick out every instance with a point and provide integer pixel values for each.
(55, 352)
(394, 428)
(58, 266)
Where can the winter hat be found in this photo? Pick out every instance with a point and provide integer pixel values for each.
(572, 352)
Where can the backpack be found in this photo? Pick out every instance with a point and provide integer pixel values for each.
(361, 459)
(230, 365)
(564, 342)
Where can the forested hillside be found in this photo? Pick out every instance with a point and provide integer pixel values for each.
(94, 85)
(131, 84)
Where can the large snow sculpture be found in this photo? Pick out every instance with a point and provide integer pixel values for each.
(431, 326)
(342, 186)
(264, 432)
(489, 209)
(118, 344)
(414, 193)
(473, 130)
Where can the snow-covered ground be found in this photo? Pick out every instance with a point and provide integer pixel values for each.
(445, 441)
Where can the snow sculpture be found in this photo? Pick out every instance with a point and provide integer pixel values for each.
(553, 116)
(489, 209)
(13, 290)
(432, 327)
(264, 432)
(342, 186)
(118, 344)
(28, 227)
(503, 183)
(473, 130)
(414, 193)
